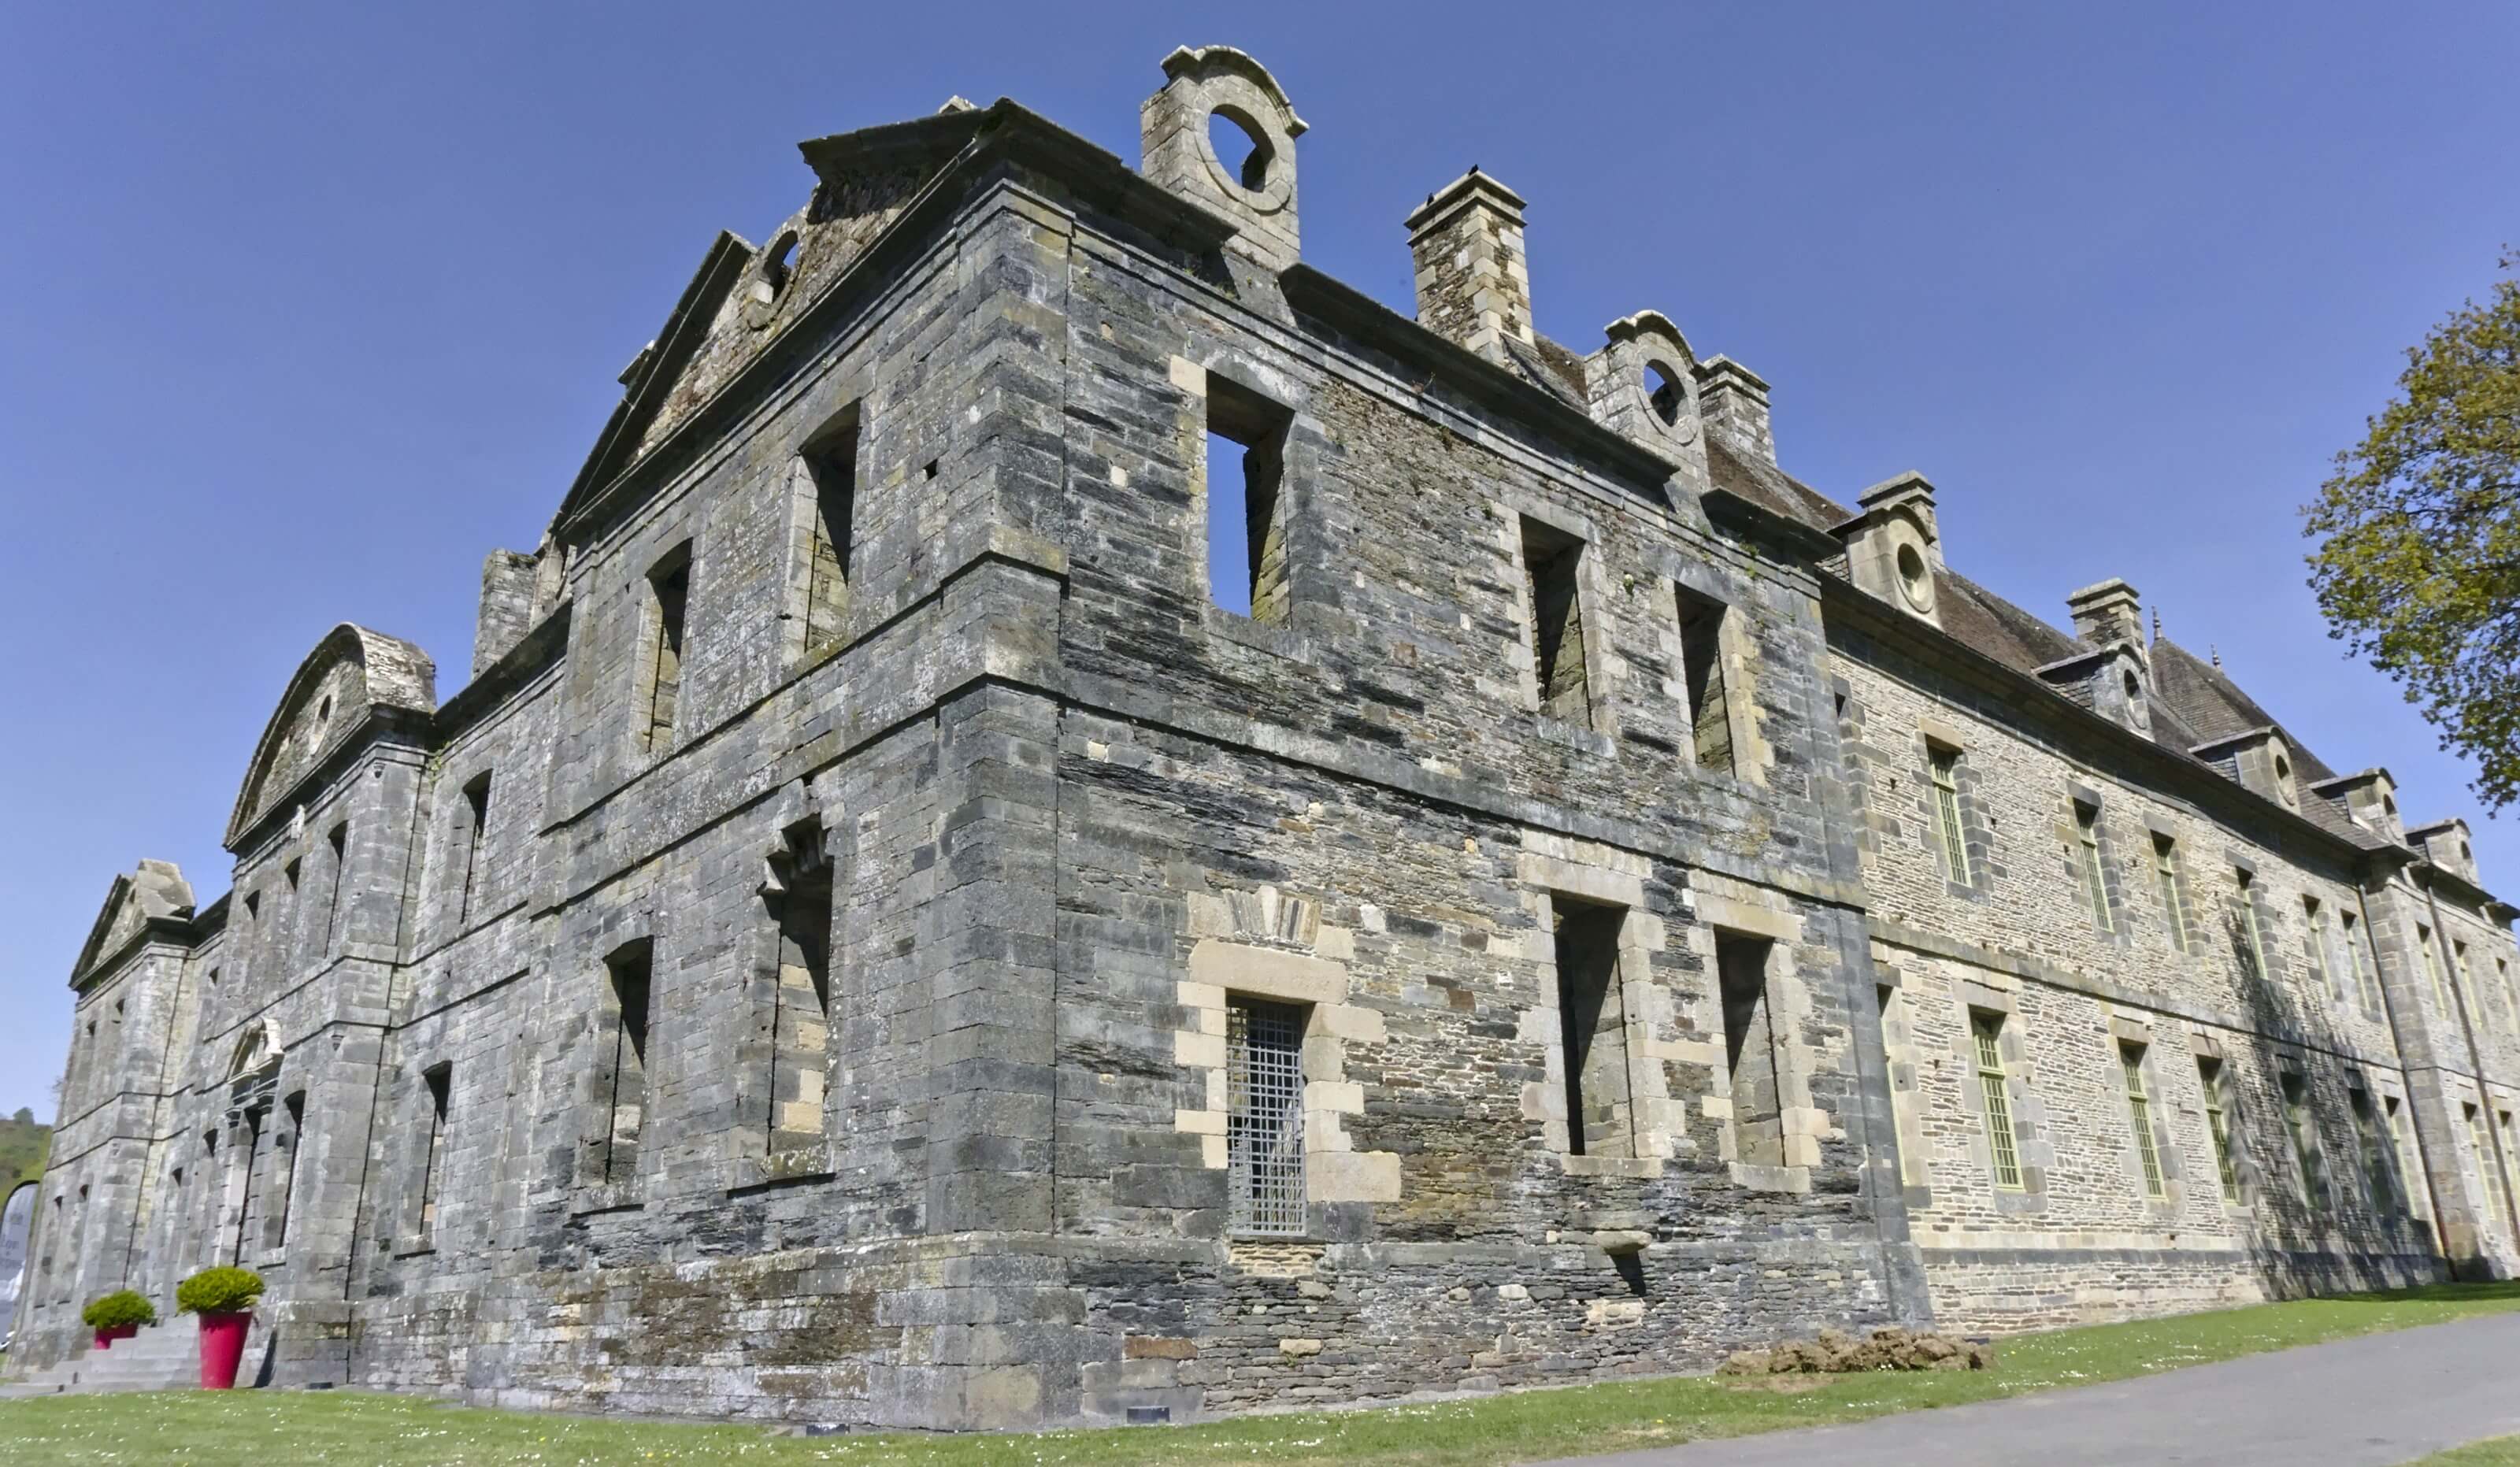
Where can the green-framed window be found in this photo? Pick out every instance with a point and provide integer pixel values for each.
(2139, 1112)
(2165, 870)
(2218, 1124)
(1987, 1030)
(2087, 835)
(1945, 764)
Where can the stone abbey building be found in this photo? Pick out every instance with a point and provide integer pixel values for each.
(888, 934)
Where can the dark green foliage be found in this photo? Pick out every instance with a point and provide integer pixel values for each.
(117, 1309)
(2418, 562)
(219, 1291)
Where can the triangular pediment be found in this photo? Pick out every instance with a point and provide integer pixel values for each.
(156, 889)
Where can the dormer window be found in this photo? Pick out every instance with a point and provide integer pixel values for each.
(2283, 781)
(1916, 581)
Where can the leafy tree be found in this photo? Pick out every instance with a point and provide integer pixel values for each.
(2418, 563)
(26, 1115)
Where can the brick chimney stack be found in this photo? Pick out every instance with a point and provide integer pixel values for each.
(1474, 282)
(1735, 400)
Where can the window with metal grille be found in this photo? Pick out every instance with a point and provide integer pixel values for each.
(1989, 1029)
(1264, 1122)
(1946, 765)
(2165, 870)
(2218, 1125)
(2139, 1111)
(2086, 830)
(2304, 1138)
(2375, 1158)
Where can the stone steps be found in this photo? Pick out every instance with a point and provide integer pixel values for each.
(160, 1357)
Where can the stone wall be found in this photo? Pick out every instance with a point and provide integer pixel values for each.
(1633, 1023)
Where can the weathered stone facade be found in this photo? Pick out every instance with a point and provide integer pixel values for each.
(878, 940)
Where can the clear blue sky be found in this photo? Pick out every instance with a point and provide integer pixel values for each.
(308, 309)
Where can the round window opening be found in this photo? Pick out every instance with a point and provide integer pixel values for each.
(1662, 390)
(2284, 768)
(778, 262)
(2466, 857)
(1240, 146)
(2134, 688)
(323, 709)
(2389, 806)
(1912, 574)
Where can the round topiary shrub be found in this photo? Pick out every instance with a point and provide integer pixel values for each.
(118, 1308)
(219, 1291)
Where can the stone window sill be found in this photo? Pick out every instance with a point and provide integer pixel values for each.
(413, 1248)
(1259, 636)
(617, 1197)
(804, 1164)
(1610, 1166)
(1574, 736)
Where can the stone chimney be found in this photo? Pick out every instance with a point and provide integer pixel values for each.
(1256, 189)
(1735, 401)
(508, 584)
(2107, 614)
(1473, 283)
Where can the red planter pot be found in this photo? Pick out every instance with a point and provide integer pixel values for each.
(105, 1338)
(222, 1349)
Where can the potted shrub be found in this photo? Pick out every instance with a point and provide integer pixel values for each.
(224, 1298)
(119, 1316)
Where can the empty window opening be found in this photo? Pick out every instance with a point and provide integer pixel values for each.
(476, 813)
(801, 1005)
(2247, 944)
(1751, 1050)
(1944, 765)
(2096, 885)
(1264, 1119)
(669, 588)
(2373, 1151)
(1593, 1026)
(1553, 563)
(2463, 982)
(2140, 1115)
(2218, 1125)
(2304, 1138)
(439, 1081)
(1664, 393)
(339, 841)
(1246, 502)
(1702, 666)
(290, 1142)
(831, 470)
(626, 1094)
(1986, 1030)
(256, 1122)
(2165, 871)
(2511, 992)
(1241, 145)
(778, 265)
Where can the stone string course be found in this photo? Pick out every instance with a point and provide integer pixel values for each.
(1071, 808)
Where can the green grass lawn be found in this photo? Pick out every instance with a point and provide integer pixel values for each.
(2501, 1451)
(264, 1429)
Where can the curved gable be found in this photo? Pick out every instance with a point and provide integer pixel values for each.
(351, 674)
